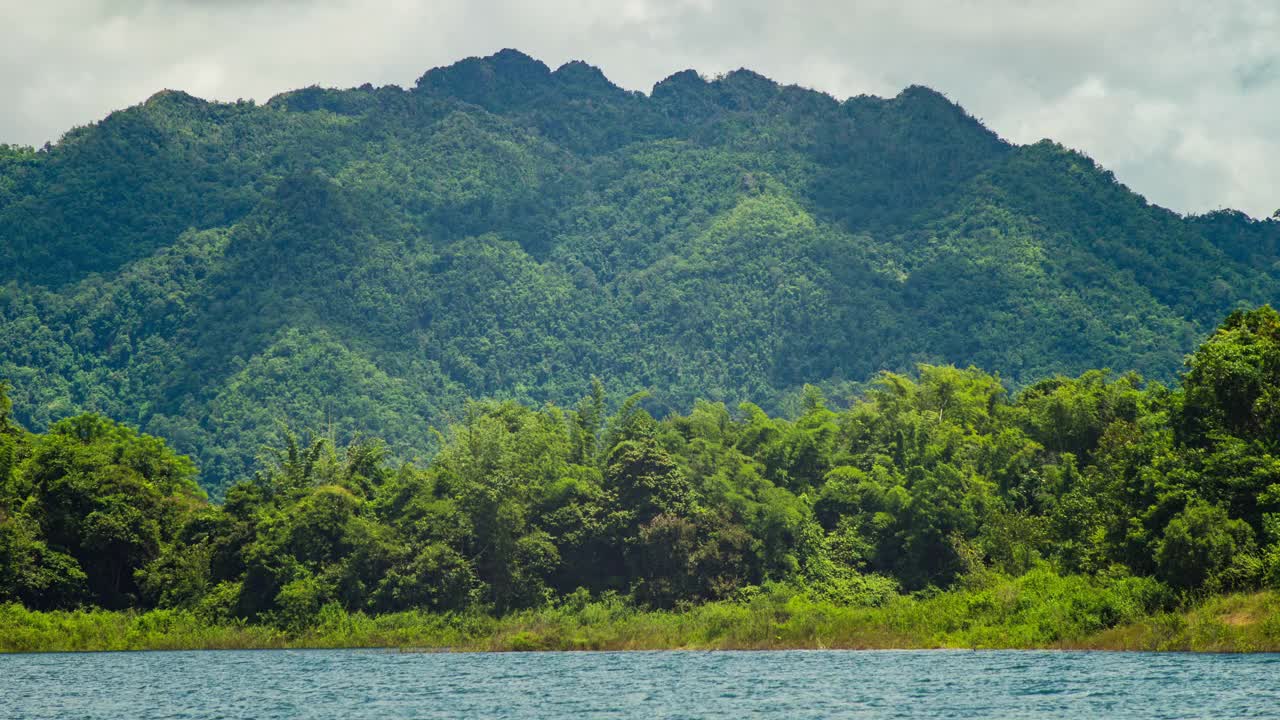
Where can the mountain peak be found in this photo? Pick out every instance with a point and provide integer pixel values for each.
(923, 93)
(932, 102)
(683, 80)
(173, 97)
(514, 60)
(577, 74)
(505, 78)
(748, 78)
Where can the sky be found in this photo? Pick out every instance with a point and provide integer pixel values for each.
(1180, 98)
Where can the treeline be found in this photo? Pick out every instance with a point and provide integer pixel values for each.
(917, 485)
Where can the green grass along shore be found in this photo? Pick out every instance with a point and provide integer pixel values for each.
(1039, 610)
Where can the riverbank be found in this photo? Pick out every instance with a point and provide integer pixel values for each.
(1038, 610)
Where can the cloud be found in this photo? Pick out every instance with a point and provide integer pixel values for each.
(1181, 99)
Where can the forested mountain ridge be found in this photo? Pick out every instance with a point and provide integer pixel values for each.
(365, 259)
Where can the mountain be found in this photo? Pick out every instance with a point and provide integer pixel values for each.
(364, 260)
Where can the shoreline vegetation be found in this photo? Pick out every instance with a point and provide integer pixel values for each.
(1038, 612)
(936, 511)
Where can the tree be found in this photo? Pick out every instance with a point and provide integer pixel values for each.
(33, 574)
(1232, 383)
(109, 497)
(12, 445)
(646, 480)
(437, 578)
(1200, 544)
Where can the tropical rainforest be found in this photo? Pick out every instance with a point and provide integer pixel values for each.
(366, 260)
(1152, 493)
(517, 338)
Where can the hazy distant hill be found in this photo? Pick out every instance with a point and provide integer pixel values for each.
(365, 259)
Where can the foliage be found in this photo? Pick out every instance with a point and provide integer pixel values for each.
(1111, 497)
(363, 260)
(1040, 611)
(298, 294)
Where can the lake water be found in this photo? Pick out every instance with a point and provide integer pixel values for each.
(800, 684)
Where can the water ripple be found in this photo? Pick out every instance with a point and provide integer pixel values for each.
(271, 685)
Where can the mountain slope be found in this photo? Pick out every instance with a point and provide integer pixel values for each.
(366, 259)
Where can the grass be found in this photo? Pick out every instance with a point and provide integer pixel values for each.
(1038, 610)
(1241, 622)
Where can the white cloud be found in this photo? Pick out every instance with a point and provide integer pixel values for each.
(1181, 99)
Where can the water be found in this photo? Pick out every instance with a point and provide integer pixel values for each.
(803, 684)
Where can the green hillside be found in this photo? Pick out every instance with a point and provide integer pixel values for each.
(364, 260)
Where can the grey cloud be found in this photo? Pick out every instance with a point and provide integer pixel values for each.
(1258, 75)
(1177, 97)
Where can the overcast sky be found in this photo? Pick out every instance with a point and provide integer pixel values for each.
(1181, 98)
